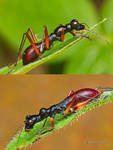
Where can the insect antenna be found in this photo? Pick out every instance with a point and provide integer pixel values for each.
(100, 36)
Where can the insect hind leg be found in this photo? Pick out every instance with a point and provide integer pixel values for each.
(104, 89)
(24, 37)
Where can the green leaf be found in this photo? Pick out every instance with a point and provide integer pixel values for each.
(57, 50)
(23, 139)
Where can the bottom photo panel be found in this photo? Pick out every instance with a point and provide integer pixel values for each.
(56, 112)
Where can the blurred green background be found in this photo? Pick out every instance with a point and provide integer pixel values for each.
(86, 57)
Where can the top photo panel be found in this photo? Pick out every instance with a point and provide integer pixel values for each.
(56, 37)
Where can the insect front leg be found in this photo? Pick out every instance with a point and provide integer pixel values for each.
(39, 132)
(52, 125)
(79, 35)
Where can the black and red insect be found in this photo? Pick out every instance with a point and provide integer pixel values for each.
(72, 103)
(34, 51)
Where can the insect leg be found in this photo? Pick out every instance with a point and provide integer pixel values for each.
(103, 89)
(39, 132)
(46, 37)
(62, 35)
(33, 35)
(70, 93)
(19, 52)
(42, 45)
(25, 35)
(81, 31)
(32, 43)
(79, 35)
(80, 105)
(52, 125)
(69, 106)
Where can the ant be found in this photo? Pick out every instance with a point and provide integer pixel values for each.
(72, 103)
(34, 51)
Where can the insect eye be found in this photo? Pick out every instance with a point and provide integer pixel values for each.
(74, 22)
(30, 121)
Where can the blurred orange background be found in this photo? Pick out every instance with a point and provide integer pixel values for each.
(23, 95)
